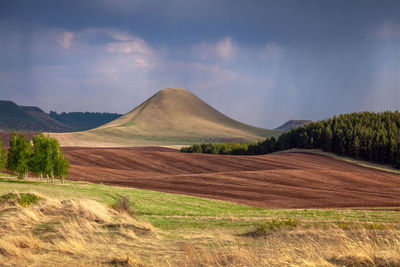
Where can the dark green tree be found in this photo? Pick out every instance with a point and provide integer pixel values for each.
(327, 139)
(3, 155)
(19, 155)
(197, 148)
(41, 157)
(61, 164)
(12, 157)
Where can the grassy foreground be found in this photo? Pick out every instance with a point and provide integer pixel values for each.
(80, 223)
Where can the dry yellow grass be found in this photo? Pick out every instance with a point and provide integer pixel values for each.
(331, 246)
(66, 232)
(83, 232)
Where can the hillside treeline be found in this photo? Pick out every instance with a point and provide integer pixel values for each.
(365, 135)
(81, 121)
(42, 157)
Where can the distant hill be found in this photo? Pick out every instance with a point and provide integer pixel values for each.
(81, 121)
(176, 112)
(293, 124)
(172, 116)
(23, 118)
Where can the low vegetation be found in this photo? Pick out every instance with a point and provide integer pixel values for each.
(366, 135)
(268, 226)
(88, 224)
(23, 199)
(124, 204)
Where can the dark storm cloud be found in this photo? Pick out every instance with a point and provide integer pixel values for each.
(177, 21)
(282, 59)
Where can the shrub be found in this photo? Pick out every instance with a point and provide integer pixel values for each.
(26, 200)
(124, 204)
(23, 199)
(274, 225)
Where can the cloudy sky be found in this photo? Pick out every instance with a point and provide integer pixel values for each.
(260, 62)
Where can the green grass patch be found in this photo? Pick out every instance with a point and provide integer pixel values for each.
(177, 212)
(23, 199)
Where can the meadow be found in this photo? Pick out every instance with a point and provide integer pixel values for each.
(93, 224)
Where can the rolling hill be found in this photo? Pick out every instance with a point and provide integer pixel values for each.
(24, 118)
(282, 180)
(293, 124)
(172, 116)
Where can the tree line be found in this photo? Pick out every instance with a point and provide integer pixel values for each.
(81, 121)
(365, 135)
(42, 157)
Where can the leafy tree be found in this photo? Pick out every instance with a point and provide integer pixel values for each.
(188, 149)
(197, 148)
(60, 163)
(355, 147)
(3, 155)
(45, 158)
(40, 161)
(19, 154)
(25, 153)
(11, 163)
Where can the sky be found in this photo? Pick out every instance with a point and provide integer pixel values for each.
(259, 62)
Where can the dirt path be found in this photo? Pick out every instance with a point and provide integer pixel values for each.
(290, 180)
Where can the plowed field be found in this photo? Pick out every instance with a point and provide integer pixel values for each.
(288, 180)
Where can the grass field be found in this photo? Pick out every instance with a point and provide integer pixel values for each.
(75, 223)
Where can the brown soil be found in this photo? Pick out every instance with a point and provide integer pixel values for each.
(289, 180)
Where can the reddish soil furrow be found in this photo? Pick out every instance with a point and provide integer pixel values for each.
(290, 180)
